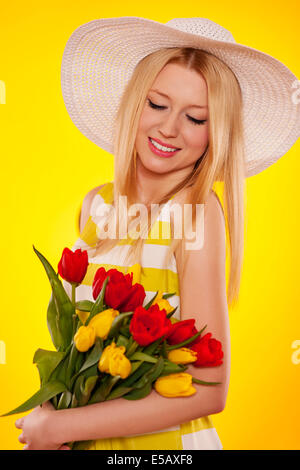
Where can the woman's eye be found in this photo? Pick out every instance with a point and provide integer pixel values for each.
(196, 121)
(192, 120)
(155, 106)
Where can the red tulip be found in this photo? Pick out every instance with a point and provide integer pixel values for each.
(73, 265)
(149, 325)
(120, 294)
(182, 330)
(209, 352)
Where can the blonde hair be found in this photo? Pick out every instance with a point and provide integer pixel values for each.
(223, 161)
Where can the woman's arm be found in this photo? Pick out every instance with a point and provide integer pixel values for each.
(203, 292)
(120, 417)
(203, 297)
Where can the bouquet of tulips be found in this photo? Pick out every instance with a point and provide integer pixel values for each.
(115, 346)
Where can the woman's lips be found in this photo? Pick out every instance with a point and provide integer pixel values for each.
(159, 152)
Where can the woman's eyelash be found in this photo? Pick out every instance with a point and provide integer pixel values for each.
(193, 120)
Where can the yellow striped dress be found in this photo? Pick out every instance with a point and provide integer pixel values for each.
(200, 433)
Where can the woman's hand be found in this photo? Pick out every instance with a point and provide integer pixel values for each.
(35, 434)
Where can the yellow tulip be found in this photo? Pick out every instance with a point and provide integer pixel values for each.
(82, 315)
(114, 362)
(102, 322)
(84, 338)
(103, 364)
(162, 303)
(182, 356)
(175, 385)
(119, 364)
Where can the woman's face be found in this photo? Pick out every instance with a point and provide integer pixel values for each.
(175, 115)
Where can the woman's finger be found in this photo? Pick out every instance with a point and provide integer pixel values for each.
(22, 439)
(64, 448)
(25, 447)
(19, 423)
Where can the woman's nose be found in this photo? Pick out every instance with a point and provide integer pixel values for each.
(169, 125)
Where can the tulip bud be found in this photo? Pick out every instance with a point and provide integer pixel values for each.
(162, 303)
(84, 338)
(73, 265)
(103, 364)
(113, 361)
(82, 315)
(102, 322)
(175, 385)
(119, 364)
(182, 356)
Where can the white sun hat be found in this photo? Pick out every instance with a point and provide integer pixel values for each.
(100, 56)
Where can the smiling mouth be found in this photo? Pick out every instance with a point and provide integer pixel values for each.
(157, 149)
(163, 147)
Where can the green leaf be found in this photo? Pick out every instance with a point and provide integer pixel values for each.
(202, 382)
(127, 385)
(148, 305)
(73, 357)
(122, 341)
(124, 330)
(131, 348)
(60, 309)
(137, 374)
(164, 349)
(139, 393)
(118, 392)
(152, 347)
(104, 390)
(64, 400)
(152, 374)
(87, 389)
(84, 305)
(77, 388)
(52, 323)
(117, 323)
(172, 368)
(172, 312)
(140, 356)
(45, 393)
(166, 296)
(98, 305)
(46, 362)
(60, 372)
(141, 387)
(92, 358)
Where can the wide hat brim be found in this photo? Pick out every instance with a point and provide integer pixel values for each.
(100, 56)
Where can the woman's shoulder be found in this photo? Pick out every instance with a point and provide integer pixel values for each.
(214, 231)
(212, 203)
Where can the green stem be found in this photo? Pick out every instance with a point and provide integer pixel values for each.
(73, 293)
(202, 382)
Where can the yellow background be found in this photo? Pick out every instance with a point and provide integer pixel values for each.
(47, 167)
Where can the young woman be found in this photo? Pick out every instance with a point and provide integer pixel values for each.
(181, 106)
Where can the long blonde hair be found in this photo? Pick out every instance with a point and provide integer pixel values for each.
(222, 162)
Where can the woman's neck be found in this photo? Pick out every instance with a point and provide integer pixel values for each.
(152, 187)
